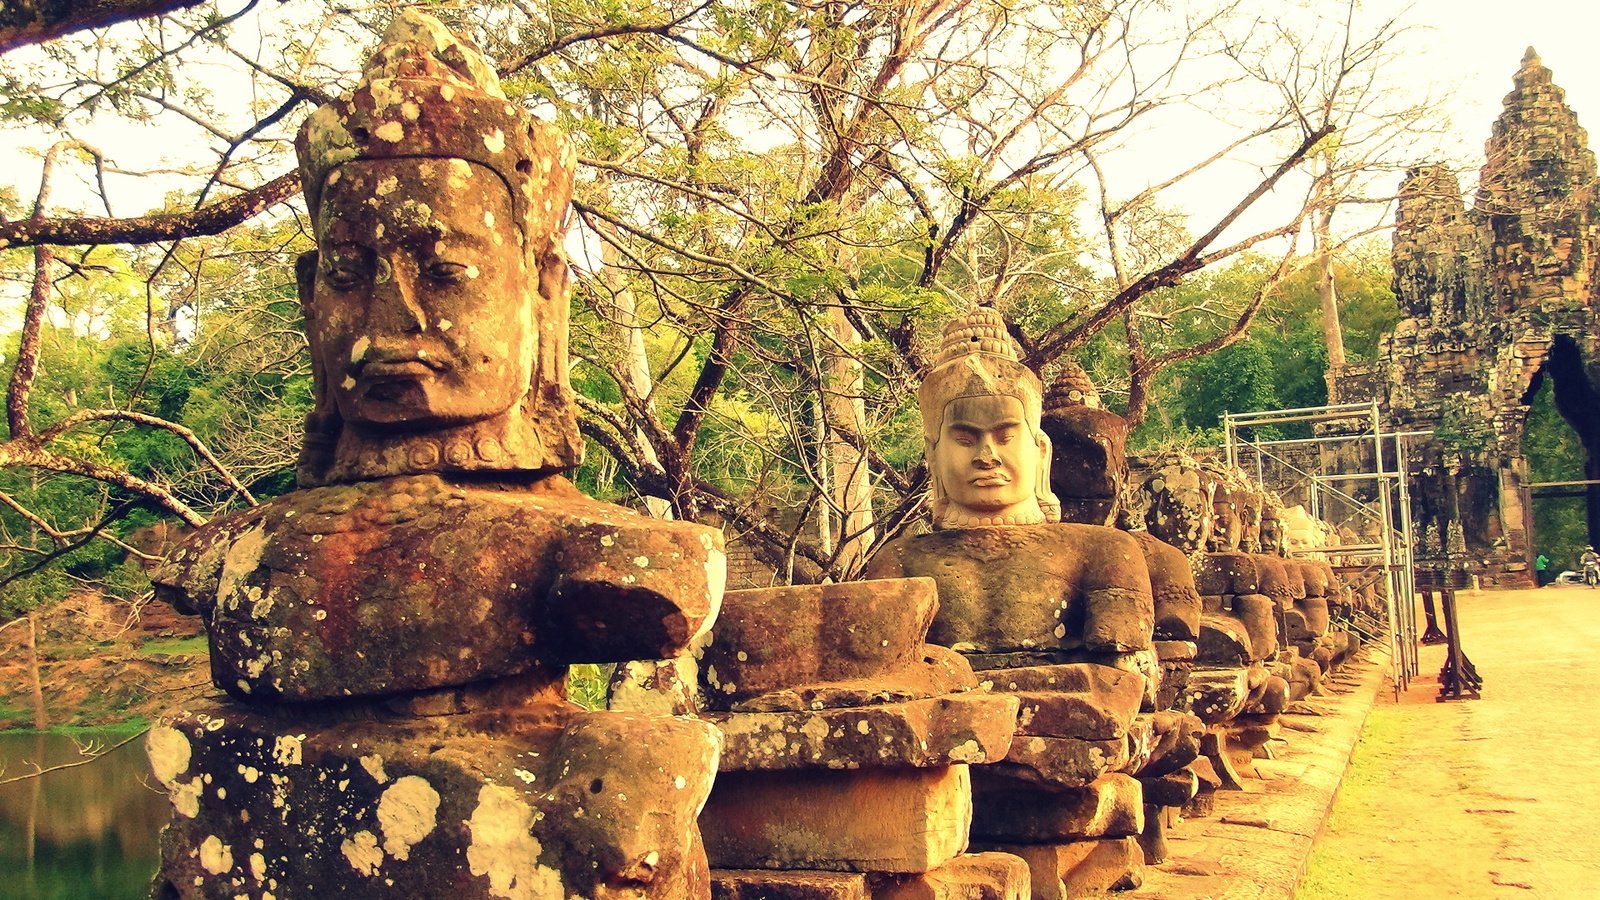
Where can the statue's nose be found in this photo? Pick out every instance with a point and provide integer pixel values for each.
(395, 309)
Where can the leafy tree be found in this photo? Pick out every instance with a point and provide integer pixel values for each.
(779, 204)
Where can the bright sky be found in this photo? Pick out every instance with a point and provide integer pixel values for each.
(1472, 47)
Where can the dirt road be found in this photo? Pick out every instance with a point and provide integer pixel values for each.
(1482, 798)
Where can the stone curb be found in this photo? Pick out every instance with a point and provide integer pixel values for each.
(1257, 843)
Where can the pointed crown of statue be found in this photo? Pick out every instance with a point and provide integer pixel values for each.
(1070, 388)
(427, 94)
(978, 358)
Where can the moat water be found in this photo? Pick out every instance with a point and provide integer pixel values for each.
(87, 832)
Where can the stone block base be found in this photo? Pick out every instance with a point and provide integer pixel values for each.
(1006, 810)
(764, 884)
(865, 820)
(1063, 871)
(430, 807)
(972, 876)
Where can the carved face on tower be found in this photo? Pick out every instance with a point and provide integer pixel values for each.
(436, 301)
(414, 316)
(980, 416)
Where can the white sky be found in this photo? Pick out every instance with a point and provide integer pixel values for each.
(1471, 47)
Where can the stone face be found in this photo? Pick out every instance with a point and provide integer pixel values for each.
(870, 820)
(1035, 587)
(471, 366)
(970, 876)
(438, 806)
(980, 407)
(1008, 810)
(973, 727)
(411, 583)
(784, 638)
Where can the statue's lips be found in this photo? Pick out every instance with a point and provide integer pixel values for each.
(383, 370)
(993, 479)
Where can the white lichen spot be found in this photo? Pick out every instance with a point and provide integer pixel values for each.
(358, 350)
(495, 141)
(286, 749)
(169, 753)
(863, 727)
(447, 92)
(215, 856)
(641, 561)
(742, 656)
(407, 813)
(361, 850)
(969, 752)
(607, 540)
(238, 563)
(445, 324)
(409, 111)
(526, 776)
(373, 763)
(393, 132)
(258, 866)
(387, 185)
(504, 850)
(185, 797)
(488, 218)
(680, 782)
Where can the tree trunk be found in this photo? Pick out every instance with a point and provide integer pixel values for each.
(636, 358)
(1327, 292)
(850, 478)
(39, 720)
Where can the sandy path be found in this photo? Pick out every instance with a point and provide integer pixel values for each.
(1482, 798)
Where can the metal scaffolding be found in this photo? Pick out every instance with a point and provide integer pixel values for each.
(1352, 475)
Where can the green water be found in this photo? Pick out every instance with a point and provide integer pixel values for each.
(86, 832)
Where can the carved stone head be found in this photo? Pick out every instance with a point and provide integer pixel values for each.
(1089, 455)
(435, 301)
(987, 455)
(1176, 502)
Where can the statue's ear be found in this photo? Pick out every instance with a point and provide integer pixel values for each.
(305, 277)
(555, 274)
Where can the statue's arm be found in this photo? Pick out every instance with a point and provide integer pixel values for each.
(638, 591)
(1119, 609)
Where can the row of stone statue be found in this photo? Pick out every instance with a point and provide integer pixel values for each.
(1018, 703)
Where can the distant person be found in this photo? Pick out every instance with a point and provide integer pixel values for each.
(1541, 570)
(1590, 561)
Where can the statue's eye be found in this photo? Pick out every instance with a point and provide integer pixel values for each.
(447, 272)
(344, 275)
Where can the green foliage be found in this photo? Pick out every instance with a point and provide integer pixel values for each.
(1555, 453)
(1281, 364)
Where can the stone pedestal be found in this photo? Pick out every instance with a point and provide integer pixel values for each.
(462, 806)
(848, 742)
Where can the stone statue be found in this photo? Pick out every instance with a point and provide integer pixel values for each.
(1089, 449)
(1059, 615)
(1061, 592)
(395, 635)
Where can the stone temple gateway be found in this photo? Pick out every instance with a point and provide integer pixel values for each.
(1497, 297)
